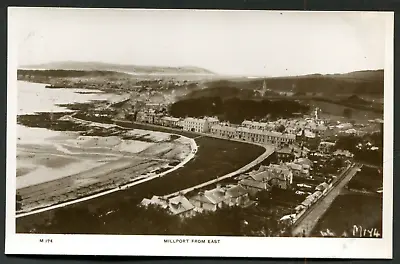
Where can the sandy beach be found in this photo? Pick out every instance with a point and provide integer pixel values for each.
(56, 166)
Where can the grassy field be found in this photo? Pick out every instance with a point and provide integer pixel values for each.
(335, 110)
(349, 210)
(215, 157)
(368, 179)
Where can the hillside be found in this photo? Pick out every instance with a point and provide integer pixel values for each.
(131, 69)
(360, 82)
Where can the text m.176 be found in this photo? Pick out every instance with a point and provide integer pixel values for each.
(45, 240)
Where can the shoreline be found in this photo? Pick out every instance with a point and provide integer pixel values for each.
(138, 180)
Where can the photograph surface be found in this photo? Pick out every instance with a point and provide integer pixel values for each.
(199, 130)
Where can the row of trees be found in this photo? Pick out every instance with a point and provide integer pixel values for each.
(153, 220)
(350, 143)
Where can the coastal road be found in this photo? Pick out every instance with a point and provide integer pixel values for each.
(307, 222)
(268, 151)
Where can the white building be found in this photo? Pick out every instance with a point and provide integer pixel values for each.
(254, 125)
(170, 121)
(211, 121)
(200, 125)
(264, 137)
(195, 125)
(223, 131)
(178, 205)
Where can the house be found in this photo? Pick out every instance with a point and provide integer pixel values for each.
(301, 167)
(200, 125)
(285, 154)
(343, 153)
(300, 151)
(170, 121)
(326, 147)
(256, 181)
(237, 195)
(180, 205)
(155, 200)
(305, 162)
(223, 131)
(157, 118)
(288, 219)
(297, 169)
(311, 199)
(212, 200)
(195, 125)
(254, 125)
(280, 176)
(308, 137)
(142, 116)
(277, 175)
(263, 137)
(211, 121)
(253, 186)
(207, 201)
(299, 208)
(216, 195)
(323, 187)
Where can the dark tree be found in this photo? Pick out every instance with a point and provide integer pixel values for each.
(280, 128)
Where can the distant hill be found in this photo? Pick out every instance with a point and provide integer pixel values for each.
(131, 69)
(354, 99)
(359, 82)
(226, 92)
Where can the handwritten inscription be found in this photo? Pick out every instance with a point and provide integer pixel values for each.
(359, 231)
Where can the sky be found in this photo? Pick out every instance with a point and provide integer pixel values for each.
(251, 43)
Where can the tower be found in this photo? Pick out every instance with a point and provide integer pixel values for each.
(264, 89)
(316, 110)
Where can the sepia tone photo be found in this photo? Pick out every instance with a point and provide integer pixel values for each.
(190, 124)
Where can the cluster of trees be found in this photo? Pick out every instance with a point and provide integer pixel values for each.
(236, 110)
(363, 154)
(153, 220)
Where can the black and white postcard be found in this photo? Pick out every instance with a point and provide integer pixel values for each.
(199, 133)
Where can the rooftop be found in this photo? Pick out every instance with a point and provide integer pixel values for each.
(267, 133)
(191, 119)
(236, 191)
(285, 150)
(179, 204)
(224, 128)
(253, 183)
(216, 195)
(173, 119)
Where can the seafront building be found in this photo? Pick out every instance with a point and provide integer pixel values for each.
(200, 125)
(263, 137)
(170, 121)
(253, 135)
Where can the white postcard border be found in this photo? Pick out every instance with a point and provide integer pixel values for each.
(227, 246)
